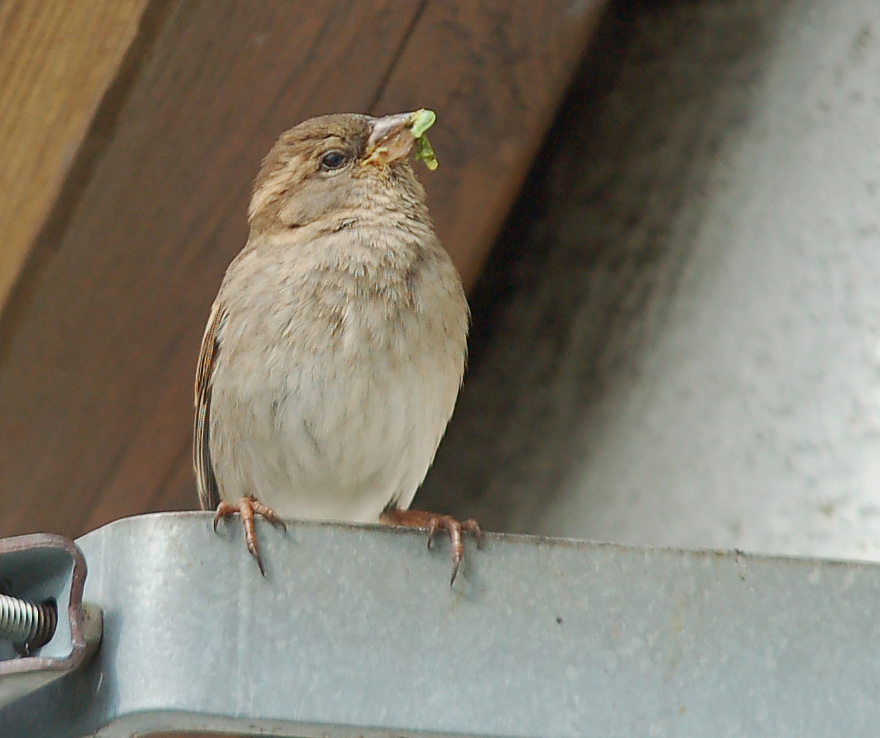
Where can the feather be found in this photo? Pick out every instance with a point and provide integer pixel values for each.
(206, 483)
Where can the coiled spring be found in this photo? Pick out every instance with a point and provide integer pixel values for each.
(27, 623)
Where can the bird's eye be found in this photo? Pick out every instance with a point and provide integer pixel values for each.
(333, 160)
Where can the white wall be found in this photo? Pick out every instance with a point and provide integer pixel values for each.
(689, 354)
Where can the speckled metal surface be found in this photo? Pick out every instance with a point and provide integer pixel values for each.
(356, 632)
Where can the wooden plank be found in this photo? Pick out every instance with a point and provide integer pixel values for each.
(95, 379)
(495, 71)
(54, 76)
(96, 366)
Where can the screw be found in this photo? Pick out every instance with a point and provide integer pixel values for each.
(27, 623)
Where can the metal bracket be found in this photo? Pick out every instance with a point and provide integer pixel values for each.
(39, 568)
(355, 632)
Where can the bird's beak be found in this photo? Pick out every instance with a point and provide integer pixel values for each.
(391, 138)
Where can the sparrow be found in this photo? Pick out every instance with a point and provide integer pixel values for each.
(336, 345)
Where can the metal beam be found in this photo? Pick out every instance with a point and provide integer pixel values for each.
(355, 631)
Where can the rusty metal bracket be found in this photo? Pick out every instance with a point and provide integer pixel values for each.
(43, 568)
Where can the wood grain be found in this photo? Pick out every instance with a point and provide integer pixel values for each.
(96, 367)
(54, 76)
(495, 72)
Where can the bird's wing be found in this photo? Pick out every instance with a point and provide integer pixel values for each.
(206, 483)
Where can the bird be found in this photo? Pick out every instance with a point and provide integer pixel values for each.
(336, 346)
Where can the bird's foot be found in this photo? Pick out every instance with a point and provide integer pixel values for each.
(247, 507)
(434, 522)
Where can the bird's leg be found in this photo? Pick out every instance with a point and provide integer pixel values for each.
(433, 522)
(246, 508)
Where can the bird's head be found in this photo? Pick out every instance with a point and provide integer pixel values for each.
(335, 167)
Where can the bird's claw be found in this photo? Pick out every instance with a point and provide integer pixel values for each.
(434, 522)
(455, 528)
(247, 507)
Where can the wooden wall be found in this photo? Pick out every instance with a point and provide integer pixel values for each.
(54, 76)
(132, 130)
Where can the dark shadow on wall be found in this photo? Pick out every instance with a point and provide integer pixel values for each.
(586, 269)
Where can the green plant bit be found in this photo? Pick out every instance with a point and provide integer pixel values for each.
(422, 120)
(425, 152)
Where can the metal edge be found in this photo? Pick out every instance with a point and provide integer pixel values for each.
(32, 664)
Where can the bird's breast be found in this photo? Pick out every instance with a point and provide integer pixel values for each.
(338, 388)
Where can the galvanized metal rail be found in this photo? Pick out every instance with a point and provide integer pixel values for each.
(356, 632)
